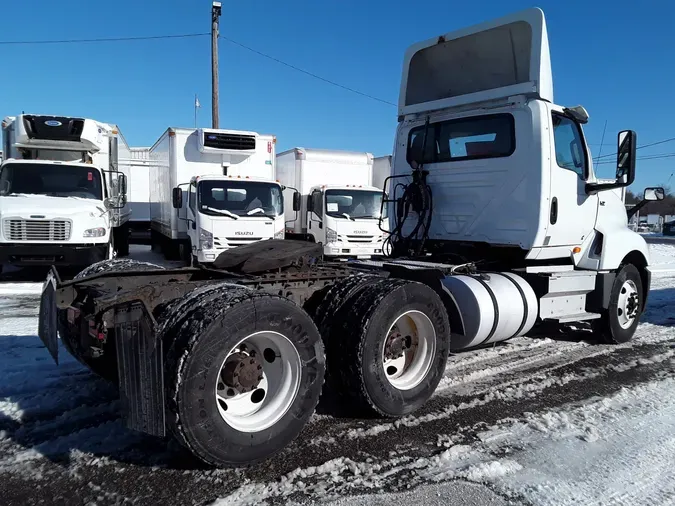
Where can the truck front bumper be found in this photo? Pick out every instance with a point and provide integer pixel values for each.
(23, 255)
(352, 251)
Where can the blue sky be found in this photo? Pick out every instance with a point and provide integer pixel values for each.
(616, 61)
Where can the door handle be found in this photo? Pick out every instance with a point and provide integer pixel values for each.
(554, 211)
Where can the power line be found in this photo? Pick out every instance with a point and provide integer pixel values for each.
(306, 72)
(643, 146)
(103, 39)
(658, 156)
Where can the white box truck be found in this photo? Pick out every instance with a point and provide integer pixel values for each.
(211, 190)
(62, 199)
(340, 208)
(381, 171)
(522, 235)
(137, 170)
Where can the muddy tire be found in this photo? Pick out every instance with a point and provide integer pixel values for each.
(104, 366)
(620, 320)
(387, 346)
(243, 373)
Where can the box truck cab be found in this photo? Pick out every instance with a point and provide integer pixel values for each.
(61, 198)
(339, 208)
(223, 212)
(212, 190)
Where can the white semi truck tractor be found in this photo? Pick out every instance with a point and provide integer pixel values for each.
(212, 190)
(339, 208)
(62, 197)
(499, 227)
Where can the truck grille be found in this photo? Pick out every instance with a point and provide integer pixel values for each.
(37, 230)
(360, 238)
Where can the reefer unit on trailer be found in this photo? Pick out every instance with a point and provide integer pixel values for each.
(340, 208)
(72, 209)
(222, 182)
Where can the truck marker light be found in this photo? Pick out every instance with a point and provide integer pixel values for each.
(576, 250)
(269, 147)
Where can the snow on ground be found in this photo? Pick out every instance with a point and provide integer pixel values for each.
(538, 448)
(662, 257)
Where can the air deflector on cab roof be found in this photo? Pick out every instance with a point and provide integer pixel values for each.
(500, 58)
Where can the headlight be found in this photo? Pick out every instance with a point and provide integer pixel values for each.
(205, 239)
(94, 232)
(279, 234)
(331, 235)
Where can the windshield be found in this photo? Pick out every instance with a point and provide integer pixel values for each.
(240, 198)
(50, 179)
(353, 204)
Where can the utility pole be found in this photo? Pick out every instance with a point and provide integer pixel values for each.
(215, 16)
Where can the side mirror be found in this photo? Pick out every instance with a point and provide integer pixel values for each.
(625, 157)
(296, 201)
(122, 184)
(652, 194)
(177, 198)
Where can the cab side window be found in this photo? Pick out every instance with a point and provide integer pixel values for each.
(317, 203)
(569, 147)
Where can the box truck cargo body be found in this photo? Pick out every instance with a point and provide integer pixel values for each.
(381, 171)
(222, 182)
(72, 208)
(137, 170)
(340, 208)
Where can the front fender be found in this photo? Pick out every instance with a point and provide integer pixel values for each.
(619, 244)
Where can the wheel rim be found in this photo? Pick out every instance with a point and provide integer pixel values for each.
(258, 381)
(409, 350)
(628, 304)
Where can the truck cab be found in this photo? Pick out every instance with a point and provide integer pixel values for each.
(224, 212)
(59, 205)
(345, 220)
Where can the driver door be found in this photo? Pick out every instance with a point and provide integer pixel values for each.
(315, 216)
(572, 212)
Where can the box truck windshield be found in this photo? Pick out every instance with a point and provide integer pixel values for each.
(52, 180)
(234, 199)
(353, 204)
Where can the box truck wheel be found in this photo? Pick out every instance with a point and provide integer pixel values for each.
(243, 374)
(620, 320)
(387, 347)
(105, 365)
(122, 240)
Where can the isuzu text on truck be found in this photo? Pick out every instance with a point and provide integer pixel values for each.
(211, 190)
(62, 198)
(339, 209)
(499, 225)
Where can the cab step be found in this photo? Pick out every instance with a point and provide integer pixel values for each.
(575, 317)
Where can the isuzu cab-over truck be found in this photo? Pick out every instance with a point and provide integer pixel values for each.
(62, 197)
(499, 225)
(212, 190)
(339, 208)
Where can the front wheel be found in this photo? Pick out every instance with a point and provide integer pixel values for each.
(626, 303)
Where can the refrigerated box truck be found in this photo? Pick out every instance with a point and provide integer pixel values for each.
(62, 196)
(211, 190)
(340, 208)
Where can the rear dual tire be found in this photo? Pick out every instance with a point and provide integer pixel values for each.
(243, 373)
(387, 344)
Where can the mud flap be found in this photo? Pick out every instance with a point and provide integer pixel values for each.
(47, 329)
(141, 370)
